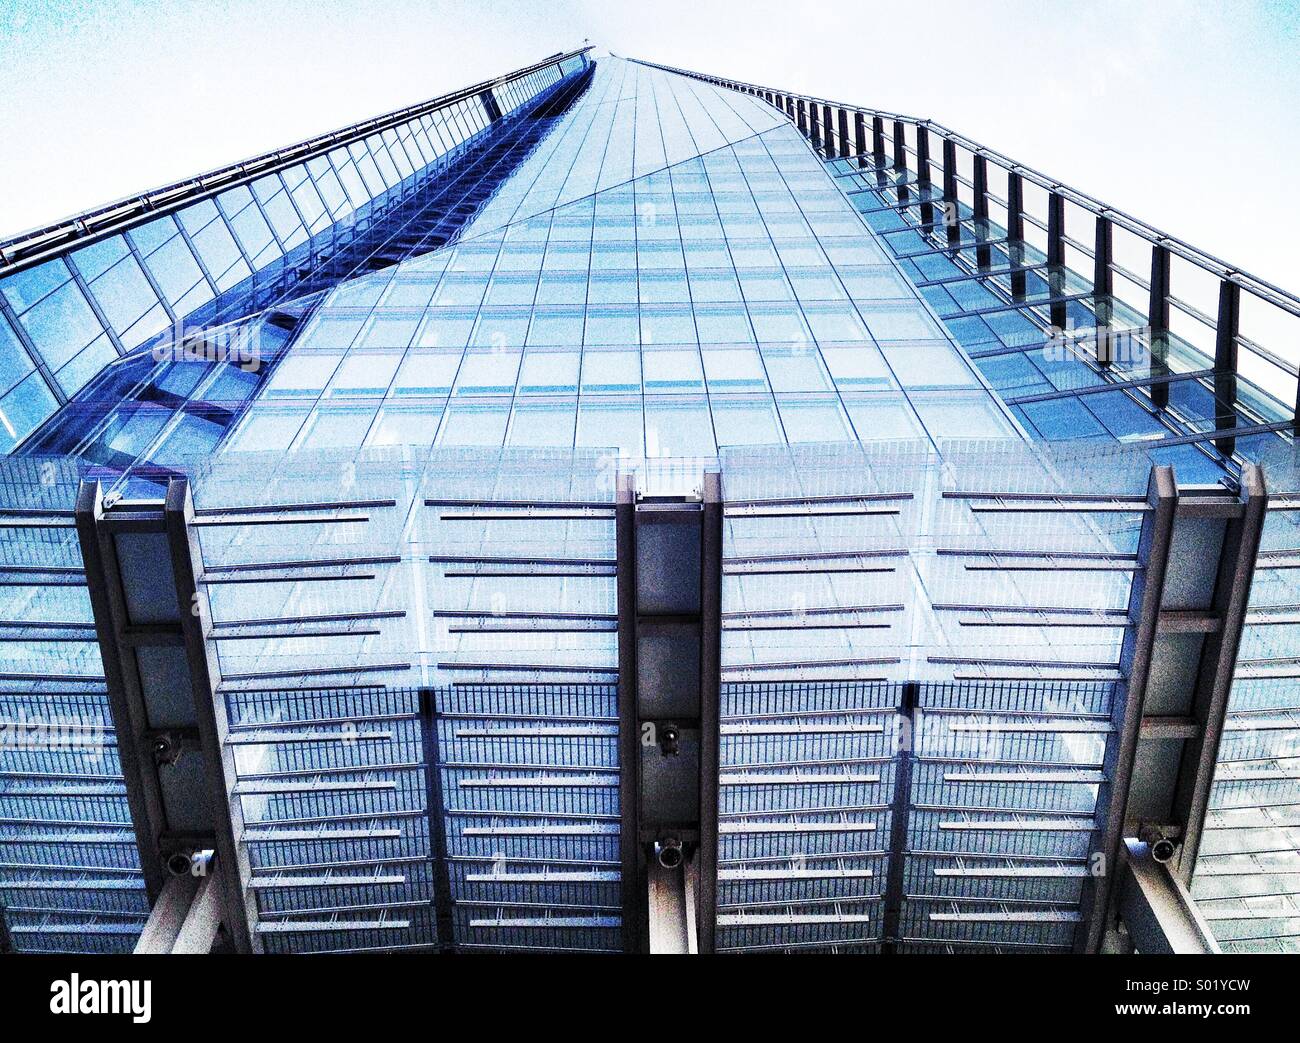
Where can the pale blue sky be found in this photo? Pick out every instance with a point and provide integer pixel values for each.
(1185, 114)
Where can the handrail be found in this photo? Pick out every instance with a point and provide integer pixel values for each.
(26, 248)
(1218, 267)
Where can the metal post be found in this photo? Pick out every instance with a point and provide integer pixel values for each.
(1016, 233)
(199, 930)
(922, 154)
(130, 720)
(711, 540)
(674, 929)
(1145, 597)
(952, 205)
(1103, 288)
(1225, 365)
(1160, 914)
(209, 708)
(1056, 257)
(1209, 707)
(900, 809)
(187, 916)
(983, 254)
(860, 137)
(633, 887)
(923, 172)
(436, 813)
(142, 559)
(1158, 324)
(167, 915)
(845, 147)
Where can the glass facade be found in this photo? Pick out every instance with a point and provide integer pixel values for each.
(403, 377)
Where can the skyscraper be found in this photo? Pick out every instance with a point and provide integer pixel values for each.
(616, 508)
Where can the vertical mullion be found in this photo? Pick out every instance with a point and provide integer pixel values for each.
(1158, 325)
(983, 254)
(1103, 287)
(436, 816)
(1225, 365)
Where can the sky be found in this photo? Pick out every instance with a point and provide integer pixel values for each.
(1184, 114)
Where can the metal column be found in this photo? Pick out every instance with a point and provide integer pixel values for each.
(669, 625)
(1103, 287)
(1225, 365)
(952, 206)
(140, 559)
(1187, 611)
(1016, 233)
(1156, 909)
(1056, 258)
(1158, 322)
(983, 254)
(899, 818)
(1145, 597)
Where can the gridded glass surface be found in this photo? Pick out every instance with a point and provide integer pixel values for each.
(1038, 345)
(1247, 879)
(79, 312)
(486, 576)
(406, 531)
(668, 270)
(897, 641)
(70, 877)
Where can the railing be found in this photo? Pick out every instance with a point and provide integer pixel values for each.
(1189, 294)
(30, 247)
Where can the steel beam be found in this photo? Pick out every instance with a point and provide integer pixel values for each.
(437, 815)
(187, 916)
(209, 709)
(167, 916)
(923, 173)
(202, 923)
(1154, 905)
(490, 106)
(141, 561)
(629, 744)
(922, 155)
(1178, 660)
(1209, 707)
(706, 860)
(135, 748)
(899, 816)
(672, 900)
(669, 553)
(1145, 597)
